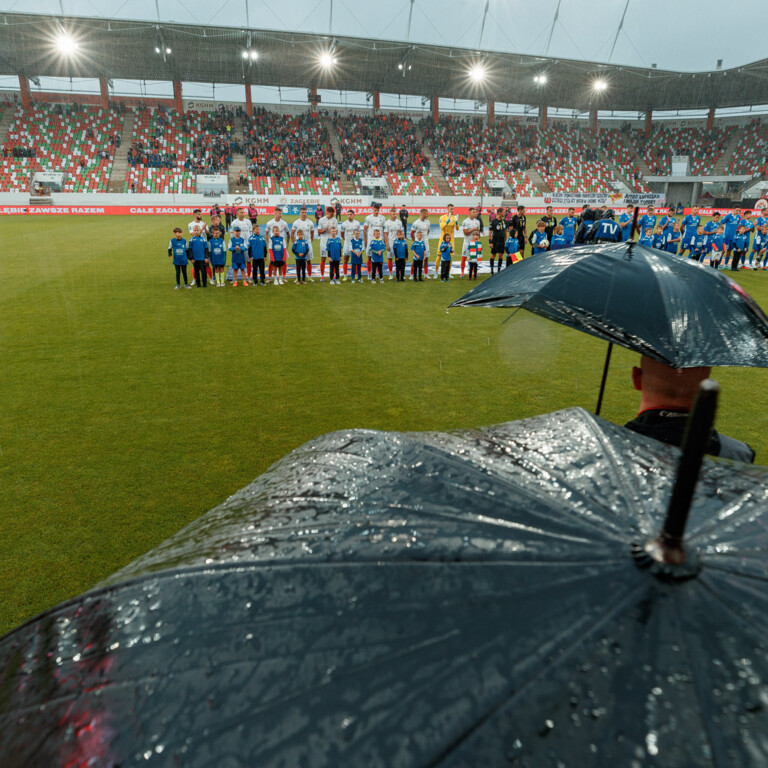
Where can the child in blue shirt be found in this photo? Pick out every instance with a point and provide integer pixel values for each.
(218, 255)
(698, 246)
(763, 230)
(400, 251)
(277, 255)
(739, 247)
(237, 247)
(659, 238)
(177, 252)
(758, 244)
(333, 247)
(445, 253)
(625, 223)
(559, 239)
(197, 250)
(356, 256)
(376, 250)
(538, 238)
(257, 250)
(300, 250)
(716, 247)
(647, 238)
(673, 239)
(418, 248)
(512, 247)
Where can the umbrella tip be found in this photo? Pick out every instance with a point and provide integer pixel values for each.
(667, 561)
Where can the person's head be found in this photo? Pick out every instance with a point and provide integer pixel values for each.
(648, 231)
(423, 214)
(350, 215)
(376, 209)
(393, 213)
(330, 211)
(720, 229)
(419, 235)
(299, 234)
(700, 230)
(196, 231)
(446, 238)
(472, 213)
(216, 231)
(630, 209)
(608, 213)
(571, 211)
(559, 229)
(737, 211)
(216, 220)
(671, 210)
(521, 209)
(695, 209)
(303, 212)
(659, 229)
(177, 233)
(499, 213)
(236, 231)
(549, 210)
(333, 231)
(650, 210)
(278, 213)
(241, 213)
(198, 214)
(742, 229)
(400, 234)
(376, 234)
(541, 225)
(665, 387)
(449, 208)
(676, 226)
(256, 229)
(716, 216)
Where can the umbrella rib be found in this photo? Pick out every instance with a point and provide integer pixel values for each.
(518, 692)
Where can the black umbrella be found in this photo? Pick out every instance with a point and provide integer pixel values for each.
(484, 598)
(674, 310)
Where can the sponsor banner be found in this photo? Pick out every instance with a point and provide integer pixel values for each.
(577, 198)
(643, 199)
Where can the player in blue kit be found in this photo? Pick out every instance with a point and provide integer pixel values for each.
(217, 249)
(731, 222)
(277, 255)
(177, 252)
(445, 255)
(739, 248)
(376, 250)
(659, 238)
(558, 238)
(646, 238)
(625, 223)
(673, 239)
(569, 224)
(300, 250)
(238, 248)
(197, 251)
(668, 221)
(758, 245)
(257, 250)
(356, 256)
(334, 247)
(716, 247)
(689, 226)
(763, 245)
(418, 250)
(699, 245)
(400, 254)
(711, 226)
(538, 239)
(648, 220)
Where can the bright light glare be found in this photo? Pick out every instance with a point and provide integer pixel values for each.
(477, 73)
(167, 50)
(540, 79)
(600, 85)
(327, 60)
(254, 55)
(245, 54)
(157, 50)
(66, 44)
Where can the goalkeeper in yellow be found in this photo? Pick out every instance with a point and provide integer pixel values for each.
(448, 223)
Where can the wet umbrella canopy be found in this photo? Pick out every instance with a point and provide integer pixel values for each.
(673, 310)
(390, 599)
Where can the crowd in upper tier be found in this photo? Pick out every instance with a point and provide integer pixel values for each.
(275, 153)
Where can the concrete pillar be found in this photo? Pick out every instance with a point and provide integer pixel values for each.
(24, 85)
(593, 121)
(104, 93)
(543, 118)
(711, 119)
(248, 100)
(177, 97)
(376, 102)
(491, 112)
(435, 107)
(313, 100)
(648, 122)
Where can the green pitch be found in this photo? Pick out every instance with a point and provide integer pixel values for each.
(128, 409)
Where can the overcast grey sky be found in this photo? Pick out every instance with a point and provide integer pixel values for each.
(688, 36)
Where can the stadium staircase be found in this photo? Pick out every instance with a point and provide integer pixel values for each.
(5, 124)
(239, 162)
(434, 167)
(589, 138)
(119, 171)
(346, 184)
(721, 166)
(536, 179)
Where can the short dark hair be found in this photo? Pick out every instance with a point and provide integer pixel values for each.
(177, 229)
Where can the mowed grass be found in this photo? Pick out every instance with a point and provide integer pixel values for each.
(128, 409)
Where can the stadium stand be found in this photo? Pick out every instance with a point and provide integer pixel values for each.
(78, 141)
(612, 144)
(470, 152)
(751, 153)
(704, 148)
(404, 183)
(289, 154)
(383, 145)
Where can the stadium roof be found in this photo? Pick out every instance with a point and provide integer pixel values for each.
(138, 50)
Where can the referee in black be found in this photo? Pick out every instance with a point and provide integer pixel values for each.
(497, 236)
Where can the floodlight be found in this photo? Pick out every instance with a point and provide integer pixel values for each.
(245, 54)
(66, 43)
(157, 50)
(254, 55)
(599, 85)
(168, 50)
(327, 60)
(399, 66)
(540, 79)
(477, 73)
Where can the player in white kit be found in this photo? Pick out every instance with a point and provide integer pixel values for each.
(324, 227)
(372, 221)
(392, 226)
(285, 232)
(305, 226)
(422, 224)
(348, 228)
